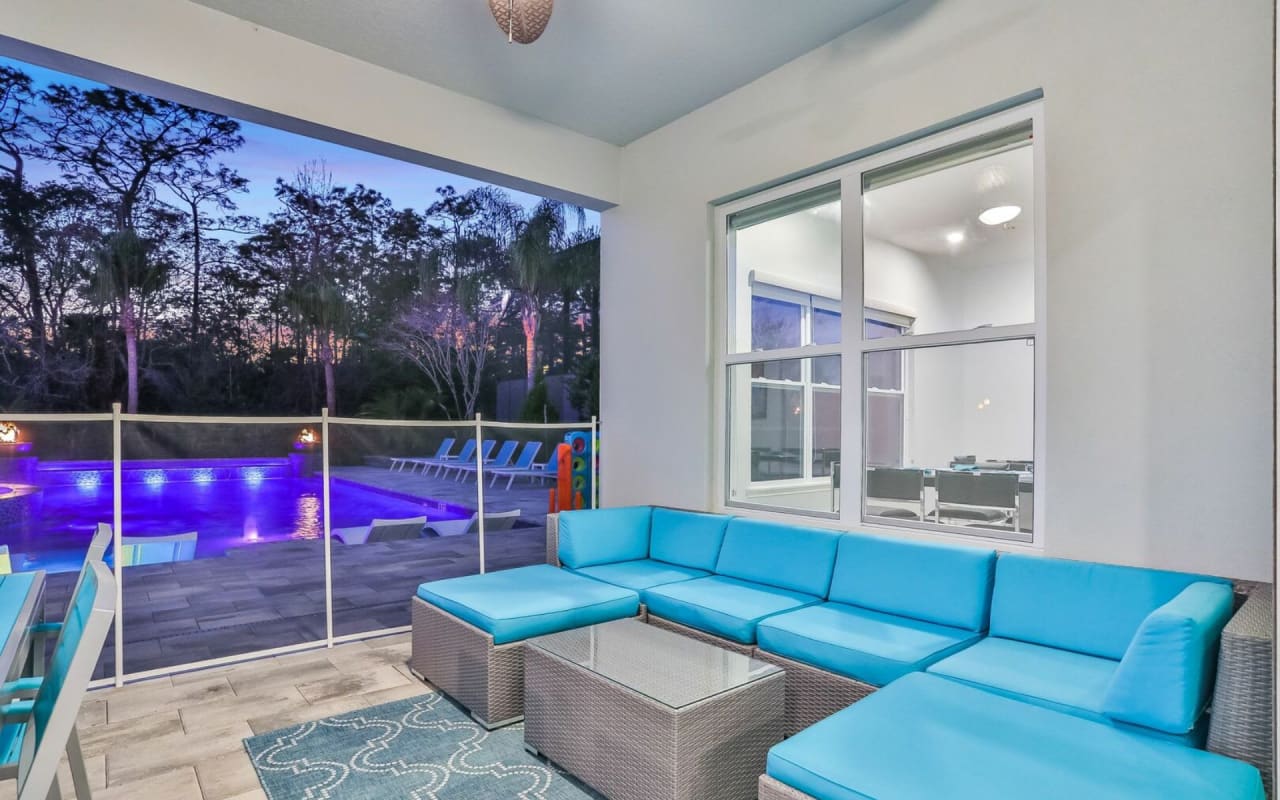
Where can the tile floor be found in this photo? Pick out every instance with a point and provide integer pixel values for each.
(182, 737)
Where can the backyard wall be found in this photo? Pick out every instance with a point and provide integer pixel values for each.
(1158, 145)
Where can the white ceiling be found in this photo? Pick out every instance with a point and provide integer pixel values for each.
(612, 69)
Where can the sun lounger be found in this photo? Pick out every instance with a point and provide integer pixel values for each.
(381, 530)
(442, 453)
(438, 464)
(470, 461)
(502, 459)
(524, 466)
(501, 521)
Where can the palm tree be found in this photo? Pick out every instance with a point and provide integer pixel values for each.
(539, 237)
(124, 277)
(322, 307)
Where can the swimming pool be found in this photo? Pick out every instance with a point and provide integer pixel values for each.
(229, 504)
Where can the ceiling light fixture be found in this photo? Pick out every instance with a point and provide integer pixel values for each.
(522, 20)
(955, 237)
(999, 215)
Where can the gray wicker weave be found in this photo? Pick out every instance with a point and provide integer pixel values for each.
(771, 789)
(1240, 724)
(814, 694)
(463, 662)
(629, 746)
(701, 636)
(553, 540)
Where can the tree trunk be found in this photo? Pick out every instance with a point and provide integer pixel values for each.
(529, 321)
(330, 389)
(195, 271)
(130, 327)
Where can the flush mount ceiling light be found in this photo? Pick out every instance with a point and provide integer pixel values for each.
(999, 215)
(955, 237)
(522, 20)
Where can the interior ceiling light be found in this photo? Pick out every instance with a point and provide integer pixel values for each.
(999, 215)
(522, 20)
(955, 237)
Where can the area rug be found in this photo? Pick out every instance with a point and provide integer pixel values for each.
(422, 748)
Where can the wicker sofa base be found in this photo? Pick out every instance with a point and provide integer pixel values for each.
(771, 789)
(701, 636)
(463, 662)
(814, 694)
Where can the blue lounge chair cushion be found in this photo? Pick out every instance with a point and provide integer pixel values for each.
(727, 607)
(786, 556)
(515, 604)
(642, 574)
(687, 538)
(603, 536)
(864, 645)
(926, 737)
(1068, 682)
(947, 584)
(14, 588)
(1076, 605)
(1166, 675)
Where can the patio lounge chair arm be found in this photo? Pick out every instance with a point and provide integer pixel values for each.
(20, 689)
(17, 711)
(45, 628)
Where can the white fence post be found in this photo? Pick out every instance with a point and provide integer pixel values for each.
(328, 543)
(480, 486)
(117, 524)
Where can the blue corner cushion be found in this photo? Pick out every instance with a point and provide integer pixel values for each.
(864, 645)
(724, 606)
(1073, 683)
(603, 535)
(1166, 675)
(786, 556)
(640, 575)
(1074, 605)
(925, 737)
(945, 584)
(515, 604)
(687, 538)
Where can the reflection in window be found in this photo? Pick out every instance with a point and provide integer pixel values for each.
(775, 324)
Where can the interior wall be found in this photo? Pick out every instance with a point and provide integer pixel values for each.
(1158, 133)
(214, 60)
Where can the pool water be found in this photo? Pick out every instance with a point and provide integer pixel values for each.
(227, 513)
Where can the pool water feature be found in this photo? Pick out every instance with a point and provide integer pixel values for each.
(229, 504)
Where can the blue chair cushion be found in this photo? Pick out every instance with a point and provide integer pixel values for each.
(1077, 605)
(603, 535)
(515, 604)
(1166, 675)
(1073, 683)
(724, 606)
(864, 645)
(926, 737)
(14, 588)
(642, 574)
(945, 584)
(687, 538)
(785, 556)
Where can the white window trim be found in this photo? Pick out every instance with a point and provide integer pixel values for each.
(853, 346)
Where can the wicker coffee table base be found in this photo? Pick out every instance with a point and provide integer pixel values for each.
(701, 636)
(814, 694)
(629, 747)
(770, 789)
(463, 662)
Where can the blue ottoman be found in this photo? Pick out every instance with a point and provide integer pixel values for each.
(468, 632)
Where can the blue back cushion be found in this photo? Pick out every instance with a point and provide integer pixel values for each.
(73, 629)
(604, 535)
(1078, 605)
(944, 584)
(786, 556)
(687, 538)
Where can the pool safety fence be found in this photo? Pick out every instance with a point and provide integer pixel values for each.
(145, 449)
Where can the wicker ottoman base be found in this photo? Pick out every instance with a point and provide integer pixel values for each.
(814, 694)
(701, 636)
(775, 790)
(463, 662)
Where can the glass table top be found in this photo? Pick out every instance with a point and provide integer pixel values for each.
(665, 667)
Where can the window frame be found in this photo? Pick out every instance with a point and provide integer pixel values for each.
(853, 346)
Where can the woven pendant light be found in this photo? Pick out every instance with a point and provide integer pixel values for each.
(522, 20)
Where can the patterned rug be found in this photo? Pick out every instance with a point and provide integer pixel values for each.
(423, 748)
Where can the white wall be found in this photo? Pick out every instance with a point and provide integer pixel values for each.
(1158, 146)
(198, 49)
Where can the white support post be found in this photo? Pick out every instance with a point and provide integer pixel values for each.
(480, 486)
(328, 542)
(595, 464)
(117, 524)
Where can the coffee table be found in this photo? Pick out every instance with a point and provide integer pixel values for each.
(640, 713)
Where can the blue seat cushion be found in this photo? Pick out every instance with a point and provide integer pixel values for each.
(603, 535)
(1059, 679)
(724, 606)
(923, 737)
(1077, 605)
(687, 538)
(514, 604)
(642, 574)
(864, 645)
(787, 556)
(945, 584)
